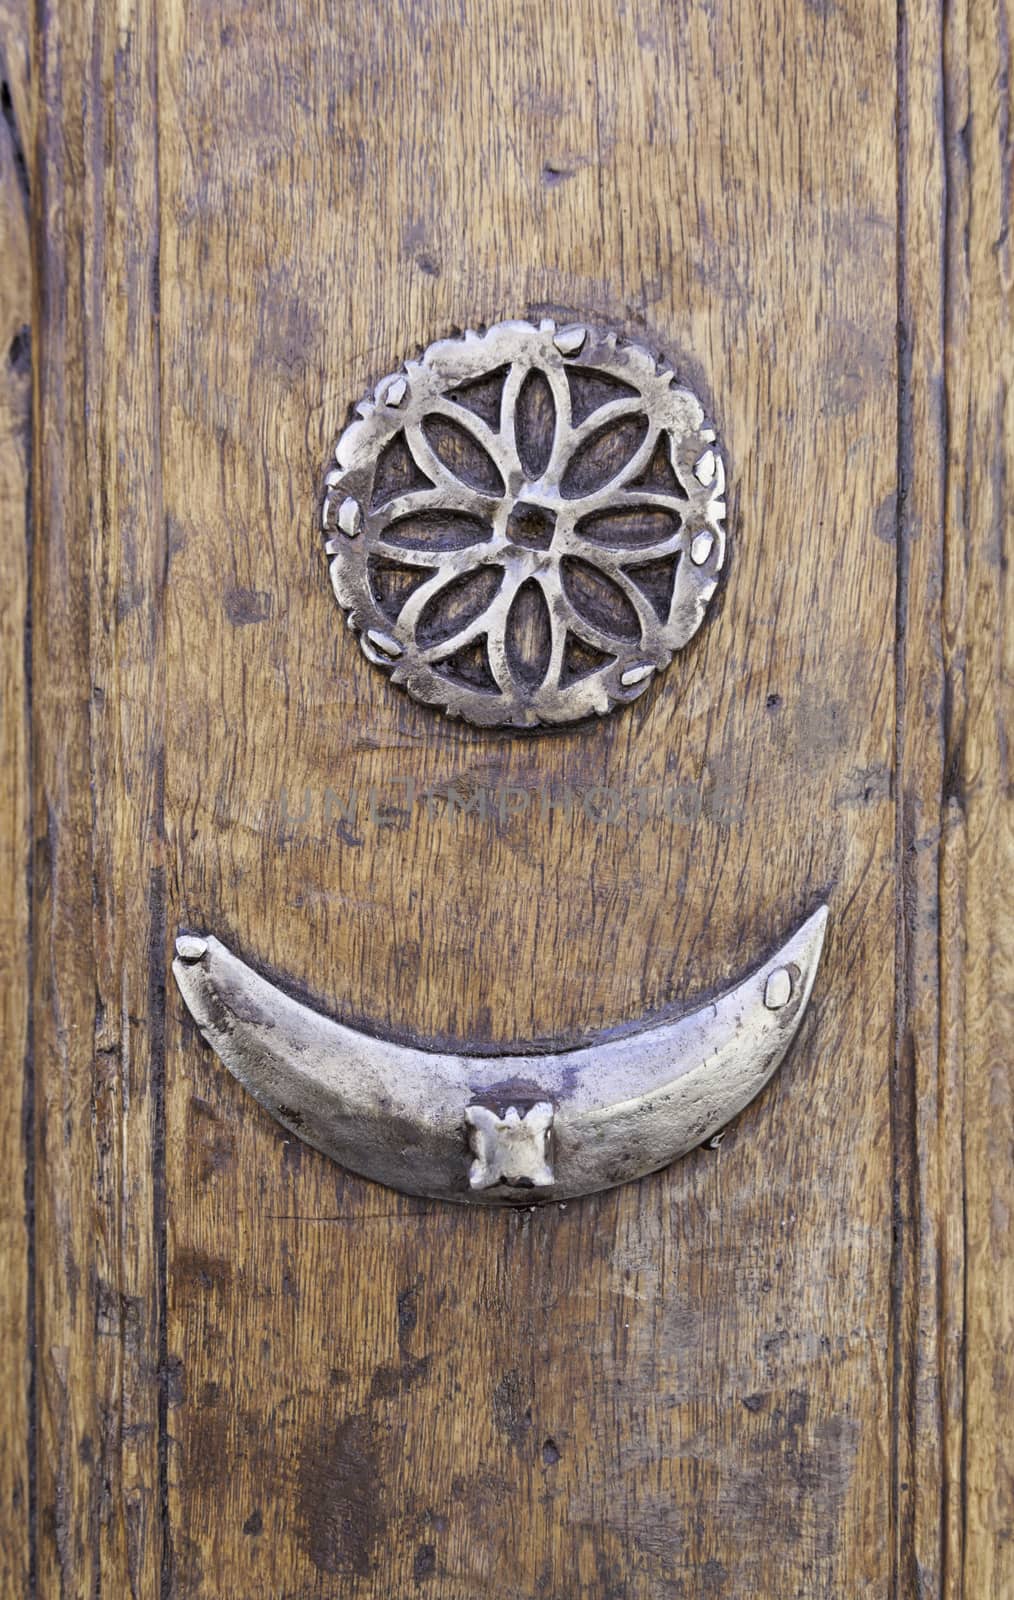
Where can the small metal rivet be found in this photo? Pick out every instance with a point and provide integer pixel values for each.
(395, 392)
(350, 517)
(704, 471)
(778, 989)
(636, 674)
(569, 340)
(190, 948)
(384, 642)
(701, 548)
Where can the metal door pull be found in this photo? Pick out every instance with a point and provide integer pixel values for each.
(501, 1129)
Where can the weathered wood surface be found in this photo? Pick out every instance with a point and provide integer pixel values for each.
(98, 683)
(780, 1368)
(953, 1101)
(15, 826)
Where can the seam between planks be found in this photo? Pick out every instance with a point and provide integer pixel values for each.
(901, 1096)
(159, 923)
(28, 1065)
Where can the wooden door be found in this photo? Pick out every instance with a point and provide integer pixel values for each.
(781, 1367)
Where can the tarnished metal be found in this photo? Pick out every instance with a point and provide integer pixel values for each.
(512, 1149)
(525, 524)
(501, 1129)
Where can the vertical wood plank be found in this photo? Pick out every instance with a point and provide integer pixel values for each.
(63, 976)
(682, 1386)
(926, 1090)
(16, 1451)
(98, 715)
(980, 527)
(952, 1103)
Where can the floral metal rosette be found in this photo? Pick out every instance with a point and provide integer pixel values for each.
(525, 524)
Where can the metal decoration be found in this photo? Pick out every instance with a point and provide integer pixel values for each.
(508, 1130)
(525, 524)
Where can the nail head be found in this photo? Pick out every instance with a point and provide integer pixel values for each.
(350, 517)
(384, 642)
(636, 674)
(569, 340)
(778, 989)
(190, 948)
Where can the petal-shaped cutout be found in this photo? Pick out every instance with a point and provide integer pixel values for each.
(396, 472)
(659, 473)
(438, 530)
(597, 599)
(590, 389)
(393, 584)
(579, 659)
(457, 604)
(461, 453)
(528, 638)
(597, 461)
(482, 396)
(535, 424)
(469, 667)
(656, 581)
(632, 527)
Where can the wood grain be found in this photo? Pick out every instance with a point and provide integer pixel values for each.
(782, 1367)
(954, 1286)
(98, 692)
(17, 1454)
(617, 1397)
(981, 354)
(926, 1089)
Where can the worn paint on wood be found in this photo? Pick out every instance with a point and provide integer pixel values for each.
(779, 1367)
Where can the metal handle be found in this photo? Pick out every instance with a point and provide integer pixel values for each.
(501, 1130)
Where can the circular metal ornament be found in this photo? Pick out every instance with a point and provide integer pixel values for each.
(525, 524)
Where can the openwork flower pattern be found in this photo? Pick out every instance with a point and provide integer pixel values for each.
(525, 524)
